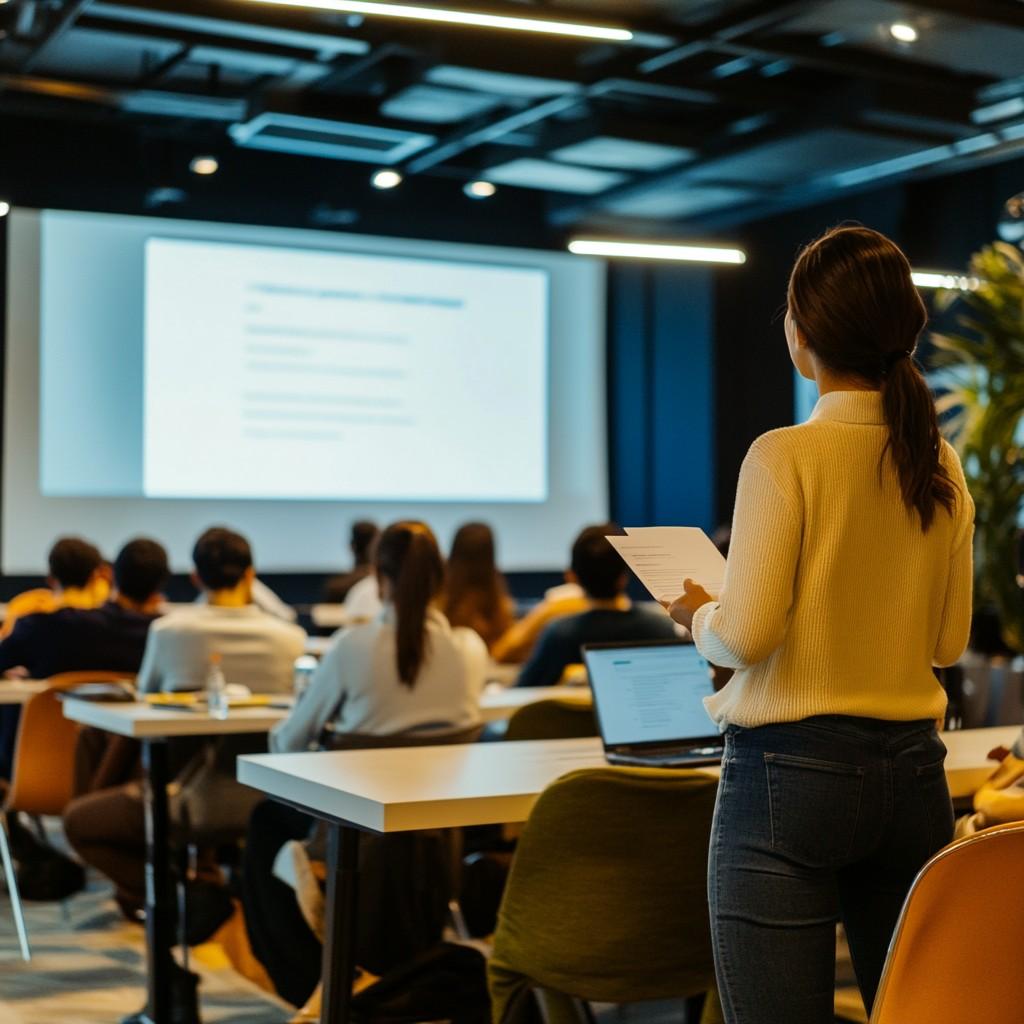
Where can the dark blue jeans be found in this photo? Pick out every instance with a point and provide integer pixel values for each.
(821, 820)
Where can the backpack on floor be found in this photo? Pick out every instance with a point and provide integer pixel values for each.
(445, 982)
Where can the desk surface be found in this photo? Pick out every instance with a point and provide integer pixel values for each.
(18, 691)
(141, 721)
(485, 783)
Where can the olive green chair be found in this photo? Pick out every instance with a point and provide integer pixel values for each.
(552, 719)
(607, 898)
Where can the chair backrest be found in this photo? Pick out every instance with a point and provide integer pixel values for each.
(43, 779)
(953, 956)
(607, 897)
(552, 719)
(439, 737)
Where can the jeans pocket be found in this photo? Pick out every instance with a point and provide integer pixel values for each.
(814, 807)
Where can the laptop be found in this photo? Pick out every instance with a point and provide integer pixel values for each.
(649, 701)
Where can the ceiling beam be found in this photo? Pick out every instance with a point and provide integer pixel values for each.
(65, 20)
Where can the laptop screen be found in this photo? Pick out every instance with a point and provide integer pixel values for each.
(650, 693)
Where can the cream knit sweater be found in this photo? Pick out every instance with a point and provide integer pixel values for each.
(835, 602)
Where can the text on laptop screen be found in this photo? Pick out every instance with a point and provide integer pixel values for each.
(650, 694)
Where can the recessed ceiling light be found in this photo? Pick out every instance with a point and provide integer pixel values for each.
(479, 189)
(386, 179)
(204, 165)
(657, 251)
(5, 208)
(902, 32)
(444, 16)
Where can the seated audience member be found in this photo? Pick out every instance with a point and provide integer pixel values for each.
(602, 574)
(256, 649)
(364, 534)
(78, 578)
(569, 598)
(106, 828)
(109, 638)
(406, 670)
(475, 594)
(112, 636)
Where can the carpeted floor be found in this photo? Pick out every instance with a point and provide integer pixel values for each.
(88, 968)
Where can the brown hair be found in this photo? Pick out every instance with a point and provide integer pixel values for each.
(408, 557)
(852, 297)
(475, 594)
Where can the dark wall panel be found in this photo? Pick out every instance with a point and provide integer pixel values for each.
(661, 395)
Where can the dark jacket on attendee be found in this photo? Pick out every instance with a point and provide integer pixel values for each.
(77, 639)
(561, 642)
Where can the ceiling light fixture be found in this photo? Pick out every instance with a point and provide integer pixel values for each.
(471, 18)
(657, 251)
(204, 165)
(5, 208)
(479, 189)
(902, 32)
(944, 279)
(386, 179)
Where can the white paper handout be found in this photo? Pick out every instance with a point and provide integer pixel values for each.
(662, 557)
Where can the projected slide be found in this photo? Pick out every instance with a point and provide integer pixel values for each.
(278, 372)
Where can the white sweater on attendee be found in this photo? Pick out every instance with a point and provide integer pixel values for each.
(257, 650)
(356, 684)
(835, 602)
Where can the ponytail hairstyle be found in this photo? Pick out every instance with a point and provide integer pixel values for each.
(408, 557)
(852, 297)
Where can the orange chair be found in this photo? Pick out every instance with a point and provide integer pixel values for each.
(42, 782)
(953, 957)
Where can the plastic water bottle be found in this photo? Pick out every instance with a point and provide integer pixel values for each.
(305, 666)
(216, 690)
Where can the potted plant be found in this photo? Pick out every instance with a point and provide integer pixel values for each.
(978, 370)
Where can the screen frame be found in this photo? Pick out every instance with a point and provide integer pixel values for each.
(622, 645)
(18, 562)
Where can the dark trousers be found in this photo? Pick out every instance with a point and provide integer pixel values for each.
(821, 820)
(278, 933)
(107, 830)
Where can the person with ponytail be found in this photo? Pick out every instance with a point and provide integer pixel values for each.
(408, 669)
(848, 579)
(405, 670)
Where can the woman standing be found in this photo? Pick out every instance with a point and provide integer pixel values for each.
(849, 577)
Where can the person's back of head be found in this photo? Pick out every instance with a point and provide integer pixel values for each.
(73, 562)
(140, 570)
(854, 305)
(363, 536)
(471, 561)
(411, 572)
(222, 559)
(596, 565)
(475, 593)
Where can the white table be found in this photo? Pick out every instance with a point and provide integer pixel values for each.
(140, 721)
(153, 727)
(411, 788)
(18, 691)
(317, 645)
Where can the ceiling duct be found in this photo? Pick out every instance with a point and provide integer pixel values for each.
(338, 140)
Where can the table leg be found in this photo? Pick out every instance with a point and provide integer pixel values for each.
(159, 889)
(339, 960)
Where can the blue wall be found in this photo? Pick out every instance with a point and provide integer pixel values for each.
(661, 395)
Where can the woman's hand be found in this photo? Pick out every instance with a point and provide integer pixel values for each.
(682, 609)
